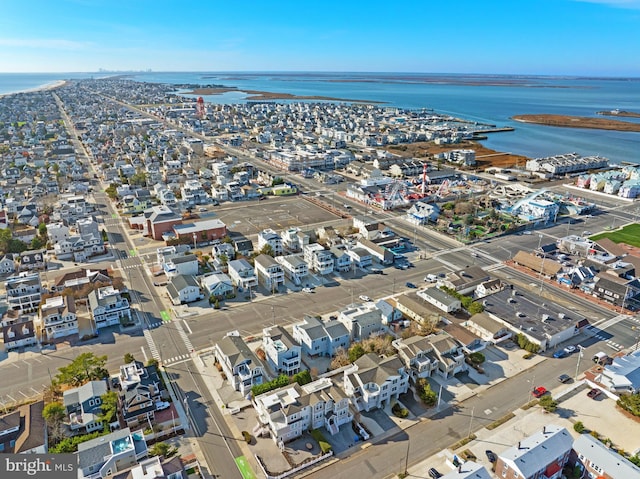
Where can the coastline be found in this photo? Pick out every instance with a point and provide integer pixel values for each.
(46, 87)
(256, 95)
(568, 121)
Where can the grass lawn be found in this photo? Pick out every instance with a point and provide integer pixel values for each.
(629, 234)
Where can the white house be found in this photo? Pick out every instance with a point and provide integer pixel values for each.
(186, 265)
(271, 238)
(295, 268)
(242, 274)
(217, 284)
(373, 382)
(269, 272)
(240, 365)
(622, 375)
(283, 355)
(290, 411)
(108, 307)
(183, 289)
(58, 318)
(318, 259)
(440, 299)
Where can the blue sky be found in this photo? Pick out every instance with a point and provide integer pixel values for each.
(557, 37)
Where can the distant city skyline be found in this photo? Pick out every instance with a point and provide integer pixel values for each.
(527, 37)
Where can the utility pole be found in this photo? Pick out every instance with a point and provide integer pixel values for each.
(580, 348)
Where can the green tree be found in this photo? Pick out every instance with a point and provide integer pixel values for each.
(356, 351)
(128, 358)
(86, 367)
(139, 179)
(224, 260)
(428, 396)
(54, 413)
(42, 230)
(109, 407)
(268, 250)
(37, 242)
(162, 449)
(111, 191)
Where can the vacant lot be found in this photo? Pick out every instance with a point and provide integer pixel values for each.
(629, 235)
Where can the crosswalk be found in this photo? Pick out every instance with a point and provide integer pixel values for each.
(152, 345)
(184, 336)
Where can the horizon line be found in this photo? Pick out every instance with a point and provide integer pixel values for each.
(329, 72)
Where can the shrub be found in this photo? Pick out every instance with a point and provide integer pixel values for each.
(548, 404)
(630, 403)
(302, 378)
(579, 427)
(276, 383)
(399, 411)
(247, 437)
(322, 442)
(428, 396)
(477, 358)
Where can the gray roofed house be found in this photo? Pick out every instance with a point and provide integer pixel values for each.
(440, 299)
(417, 308)
(83, 406)
(598, 460)
(283, 354)
(108, 455)
(183, 289)
(361, 320)
(547, 450)
(622, 375)
(242, 273)
(239, 363)
(373, 382)
(465, 280)
(319, 338)
(418, 356)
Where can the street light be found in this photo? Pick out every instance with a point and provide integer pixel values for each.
(194, 240)
(580, 349)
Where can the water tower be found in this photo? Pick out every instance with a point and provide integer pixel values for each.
(200, 107)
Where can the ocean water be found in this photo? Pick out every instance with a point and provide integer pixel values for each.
(461, 96)
(464, 96)
(19, 82)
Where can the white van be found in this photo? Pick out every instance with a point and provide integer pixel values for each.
(431, 278)
(600, 358)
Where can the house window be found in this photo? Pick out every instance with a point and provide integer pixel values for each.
(581, 457)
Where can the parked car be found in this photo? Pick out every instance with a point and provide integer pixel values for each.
(539, 391)
(115, 382)
(202, 209)
(594, 393)
(431, 278)
(307, 290)
(333, 317)
(377, 271)
(433, 473)
(491, 456)
(564, 378)
(570, 349)
(560, 353)
(410, 285)
(364, 297)
(474, 254)
(160, 405)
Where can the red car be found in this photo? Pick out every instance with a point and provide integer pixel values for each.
(594, 393)
(539, 391)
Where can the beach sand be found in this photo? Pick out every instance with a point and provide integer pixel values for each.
(48, 87)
